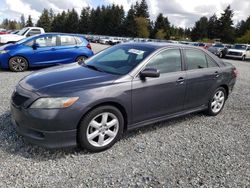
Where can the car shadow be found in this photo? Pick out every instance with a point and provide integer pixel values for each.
(12, 143)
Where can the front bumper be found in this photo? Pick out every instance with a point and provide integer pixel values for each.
(234, 56)
(51, 128)
(4, 60)
(48, 139)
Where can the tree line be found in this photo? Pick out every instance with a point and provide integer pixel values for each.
(112, 20)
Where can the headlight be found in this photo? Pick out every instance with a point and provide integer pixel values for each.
(3, 51)
(59, 102)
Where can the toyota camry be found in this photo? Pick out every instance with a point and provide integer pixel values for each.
(91, 104)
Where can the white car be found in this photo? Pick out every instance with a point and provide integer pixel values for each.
(104, 41)
(23, 33)
(239, 51)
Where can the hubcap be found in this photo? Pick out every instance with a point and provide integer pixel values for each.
(81, 59)
(218, 101)
(102, 129)
(18, 64)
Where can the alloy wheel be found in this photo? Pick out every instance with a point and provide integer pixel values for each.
(102, 129)
(218, 101)
(18, 64)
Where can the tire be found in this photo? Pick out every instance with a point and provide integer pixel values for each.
(216, 102)
(220, 55)
(243, 58)
(81, 59)
(18, 64)
(94, 133)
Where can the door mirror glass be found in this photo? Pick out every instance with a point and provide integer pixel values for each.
(150, 72)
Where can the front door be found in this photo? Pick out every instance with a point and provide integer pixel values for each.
(156, 97)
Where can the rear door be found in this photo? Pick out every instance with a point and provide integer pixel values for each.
(203, 74)
(67, 49)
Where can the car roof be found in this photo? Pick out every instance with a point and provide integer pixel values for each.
(158, 45)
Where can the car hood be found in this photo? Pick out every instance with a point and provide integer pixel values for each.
(8, 46)
(69, 77)
(236, 50)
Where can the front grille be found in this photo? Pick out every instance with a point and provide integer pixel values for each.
(235, 53)
(18, 99)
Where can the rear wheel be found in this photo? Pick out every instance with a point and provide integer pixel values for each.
(100, 128)
(81, 59)
(217, 102)
(18, 64)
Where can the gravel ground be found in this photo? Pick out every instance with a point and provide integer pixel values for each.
(192, 151)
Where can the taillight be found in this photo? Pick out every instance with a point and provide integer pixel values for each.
(235, 72)
(89, 46)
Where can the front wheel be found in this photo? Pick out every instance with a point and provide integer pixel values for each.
(18, 64)
(243, 58)
(100, 128)
(216, 102)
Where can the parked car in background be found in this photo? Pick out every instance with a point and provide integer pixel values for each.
(3, 31)
(200, 44)
(104, 40)
(44, 50)
(239, 51)
(113, 41)
(23, 33)
(93, 103)
(218, 49)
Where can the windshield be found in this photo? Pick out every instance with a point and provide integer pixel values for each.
(218, 46)
(240, 47)
(119, 59)
(22, 31)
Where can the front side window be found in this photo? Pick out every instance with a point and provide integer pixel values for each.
(119, 59)
(166, 61)
(46, 41)
(195, 59)
(34, 32)
(67, 40)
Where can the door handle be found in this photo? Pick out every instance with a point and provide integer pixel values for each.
(180, 80)
(216, 74)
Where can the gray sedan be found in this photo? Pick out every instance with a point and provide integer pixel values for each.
(121, 88)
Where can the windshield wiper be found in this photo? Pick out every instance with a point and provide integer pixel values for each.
(92, 67)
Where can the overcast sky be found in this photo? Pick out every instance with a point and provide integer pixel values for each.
(182, 13)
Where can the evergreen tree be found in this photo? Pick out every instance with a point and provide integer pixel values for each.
(84, 22)
(162, 24)
(58, 23)
(142, 9)
(29, 22)
(130, 23)
(71, 22)
(22, 21)
(242, 27)
(226, 28)
(200, 29)
(45, 21)
(212, 27)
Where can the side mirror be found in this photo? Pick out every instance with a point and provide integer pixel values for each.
(35, 46)
(150, 72)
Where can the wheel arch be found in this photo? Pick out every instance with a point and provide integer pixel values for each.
(109, 103)
(226, 88)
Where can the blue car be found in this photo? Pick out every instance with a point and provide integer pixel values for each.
(44, 50)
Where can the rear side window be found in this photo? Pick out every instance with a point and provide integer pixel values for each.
(166, 61)
(211, 62)
(195, 59)
(34, 32)
(67, 40)
(78, 40)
